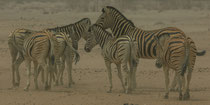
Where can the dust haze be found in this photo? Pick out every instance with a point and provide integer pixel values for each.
(191, 16)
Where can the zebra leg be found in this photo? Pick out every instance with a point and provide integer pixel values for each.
(180, 79)
(69, 62)
(40, 69)
(109, 71)
(134, 85)
(46, 71)
(166, 74)
(174, 82)
(127, 77)
(13, 71)
(120, 75)
(17, 65)
(187, 91)
(28, 66)
(13, 53)
(62, 69)
(57, 72)
(36, 75)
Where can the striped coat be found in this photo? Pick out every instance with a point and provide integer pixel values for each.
(121, 51)
(15, 43)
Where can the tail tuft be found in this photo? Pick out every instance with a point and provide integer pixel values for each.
(158, 65)
(52, 59)
(183, 69)
(201, 53)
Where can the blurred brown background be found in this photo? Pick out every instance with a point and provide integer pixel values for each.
(191, 16)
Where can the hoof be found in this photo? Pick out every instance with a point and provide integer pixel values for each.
(126, 91)
(174, 89)
(70, 85)
(26, 89)
(109, 91)
(17, 84)
(47, 87)
(72, 82)
(37, 88)
(166, 97)
(186, 96)
(61, 83)
(180, 97)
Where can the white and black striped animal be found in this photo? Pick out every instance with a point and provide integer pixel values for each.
(15, 43)
(179, 54)
(40, 48)
(113, 19)
(120, 51)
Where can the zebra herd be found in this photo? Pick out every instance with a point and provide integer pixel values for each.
(51, 48)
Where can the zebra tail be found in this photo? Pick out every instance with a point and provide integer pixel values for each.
(186, 59)
(201, 53)
(133, 53)
(52, 46)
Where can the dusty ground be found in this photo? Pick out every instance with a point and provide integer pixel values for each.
(90, 74)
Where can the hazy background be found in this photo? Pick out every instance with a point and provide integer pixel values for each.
(96, 5)
(191, 16)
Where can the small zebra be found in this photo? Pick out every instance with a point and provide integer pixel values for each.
(15, 43)
(40, 48)
(63, 51)
(179, 54)
(192, 57)
(119, 51)
(80, 29)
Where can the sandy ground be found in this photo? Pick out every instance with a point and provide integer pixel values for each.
(90, 73)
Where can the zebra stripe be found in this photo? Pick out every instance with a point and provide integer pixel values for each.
(118, 51)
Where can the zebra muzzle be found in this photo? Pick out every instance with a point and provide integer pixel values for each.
(87, 49)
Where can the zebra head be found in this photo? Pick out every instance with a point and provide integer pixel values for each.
(162, 46)
(105, 20)
(81, 28)
(91, 40)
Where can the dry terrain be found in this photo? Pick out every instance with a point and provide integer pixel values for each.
(90, 73)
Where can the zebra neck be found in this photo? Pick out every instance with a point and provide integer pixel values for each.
(121, 29)
(78, 31)
(103, 38)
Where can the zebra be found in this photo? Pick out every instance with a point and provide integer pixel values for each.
(192, 58)
(63, 51)
(40, 48)
(15, 43)
(119, 51)
(80, 29)
(120, 25)
(179, 54)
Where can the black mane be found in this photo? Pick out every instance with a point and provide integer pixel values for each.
(112, 8)
(81, 20)
(102, 29)
(68, 24)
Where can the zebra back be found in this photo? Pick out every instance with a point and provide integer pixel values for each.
(17, 37)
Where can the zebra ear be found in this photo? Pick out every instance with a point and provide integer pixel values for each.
(105, 10)
(156, 38)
